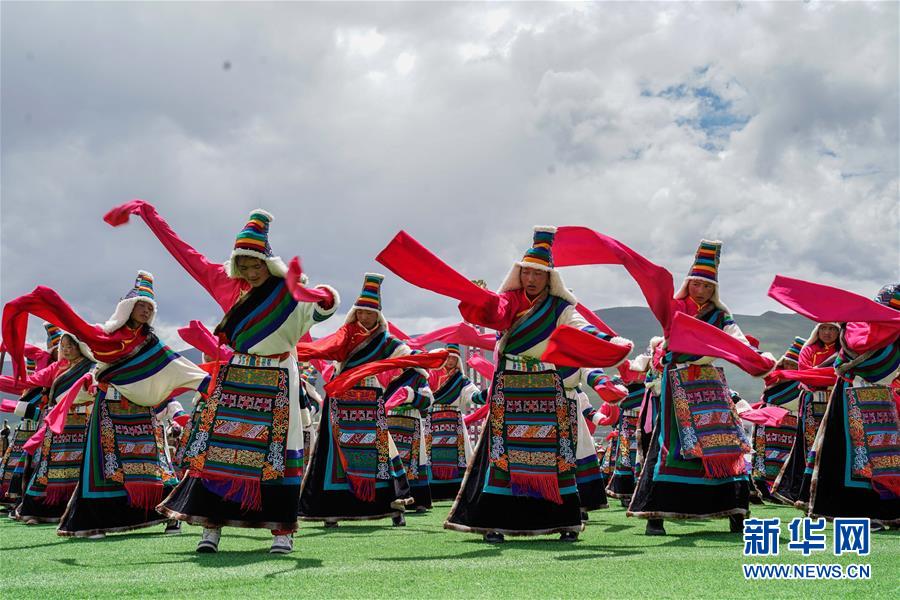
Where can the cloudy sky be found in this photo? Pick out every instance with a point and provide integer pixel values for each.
(773, 127)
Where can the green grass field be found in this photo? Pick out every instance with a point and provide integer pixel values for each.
(612, 559)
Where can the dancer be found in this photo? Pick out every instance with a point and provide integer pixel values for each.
(57, 461)
(522, 479)
(356, 472)
(244, 456)
(124, 471)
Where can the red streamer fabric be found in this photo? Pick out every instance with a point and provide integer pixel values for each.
(300, 293)
(571, 347)
(692, 336)
(461, 333)
(56, 418)
(416, 264)
(46, 304)
(574, 246)
(197, 335)
(477, 415)
(483, 366)
(348, 379)
(594, 320)
(823, 303)
(819, 377)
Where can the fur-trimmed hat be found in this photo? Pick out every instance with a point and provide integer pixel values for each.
(85, 351)
(141, 292)
(540, 257)
(814, 336)
(253, 241)
(369, 298)
(889, 295)
(453, 350)
(54, 334)
(705, 268)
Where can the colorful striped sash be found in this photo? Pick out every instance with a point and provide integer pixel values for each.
(449, 392)
(536, 326)
(380, 345)
(781, 393)
(257, 315)
(64, 382)
(707, 422)
(151, 358)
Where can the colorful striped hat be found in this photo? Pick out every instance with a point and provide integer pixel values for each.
(453, 349)
(142, 291)
(540, 255)
(30, 365)
(705, 268)
(370, 296)
(143, 287)
(793, 353)
(253, 239)
(54, 334)
(308, 373)
(889, 295)
(706, 262)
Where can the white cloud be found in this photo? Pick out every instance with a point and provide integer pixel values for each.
(404, 63)
(770, 125)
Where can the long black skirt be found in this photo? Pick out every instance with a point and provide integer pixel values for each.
(422, 496)
(89, 516)
(444, 491)
(592, 494)
(193, 503)
(478, 512)
(34, 507)
(791, 486)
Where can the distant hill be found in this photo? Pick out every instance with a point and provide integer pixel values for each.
(775, 331)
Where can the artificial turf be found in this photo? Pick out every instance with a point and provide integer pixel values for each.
(371, 559)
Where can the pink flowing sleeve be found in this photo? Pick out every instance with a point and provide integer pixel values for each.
(211, 276)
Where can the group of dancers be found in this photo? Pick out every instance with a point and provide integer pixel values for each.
(366, 423)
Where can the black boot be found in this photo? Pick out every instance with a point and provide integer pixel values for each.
(568, 536)
(398, 520)
(736, 523)
(655, 527)
(494, 537)
(331, 524)
(584, 515)
(624, 502)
